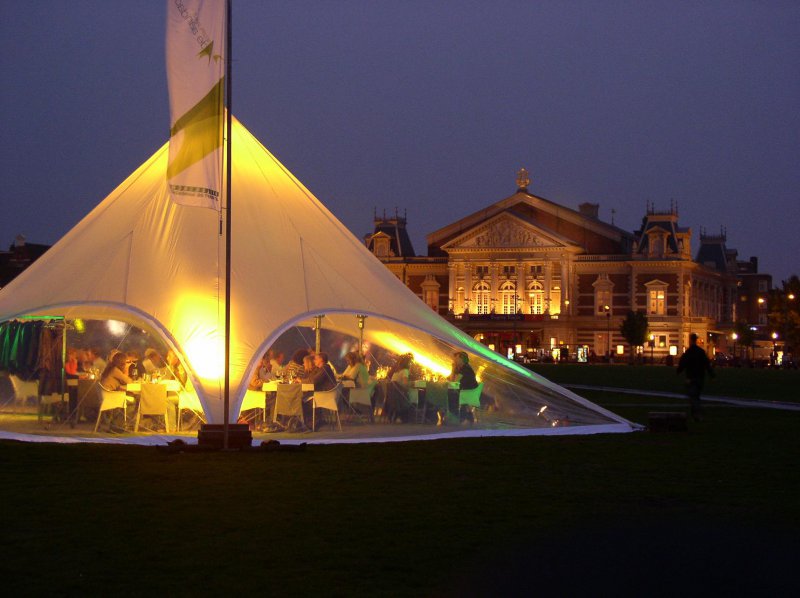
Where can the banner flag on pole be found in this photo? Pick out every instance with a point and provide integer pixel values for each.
(196, 81)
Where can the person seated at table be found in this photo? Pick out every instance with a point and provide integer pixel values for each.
(462, 373)
(294, 369)
(93, 361)
(265, 371)
(71, 365)
(115, 376)
(400, 372)
(175, 370)
(356, 370)
(395, 399)
(275, 360)
(135, 367)
(153, 363)
(322, 376)
(308, 367)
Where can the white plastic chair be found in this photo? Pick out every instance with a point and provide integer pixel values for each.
(24, 389)
(471, 398)
(362, 396)
(255, 399)
(153, 401)
(325, 399)
(110, 400)
(188, 400)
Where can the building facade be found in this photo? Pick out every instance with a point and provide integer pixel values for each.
(528, 276)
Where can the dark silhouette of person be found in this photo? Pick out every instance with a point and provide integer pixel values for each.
(696, 363)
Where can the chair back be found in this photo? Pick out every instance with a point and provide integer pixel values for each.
(254, 399)
(471, 397)
(289, 400)
(327, 399)
(112, 399)
(362, 396)
(153, 400)
(24, 389)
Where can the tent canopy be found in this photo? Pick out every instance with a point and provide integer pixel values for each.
(141, 258)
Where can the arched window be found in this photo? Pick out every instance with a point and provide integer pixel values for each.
(508, 297)
(536, 297)
(481, 298)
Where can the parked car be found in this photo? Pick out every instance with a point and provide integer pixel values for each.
(722, 359)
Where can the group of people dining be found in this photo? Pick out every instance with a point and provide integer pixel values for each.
(388, 395)
(119, 369)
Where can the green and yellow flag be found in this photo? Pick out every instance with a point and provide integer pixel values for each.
(196, 80)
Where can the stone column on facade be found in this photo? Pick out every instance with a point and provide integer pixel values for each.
(634, 285)
(562, 308)
(493, 268)
(452, 292)
(522, 286)
(468, 287)
(548, 280)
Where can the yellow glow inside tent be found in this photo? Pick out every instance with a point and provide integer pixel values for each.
(197, 329)
(399, 346)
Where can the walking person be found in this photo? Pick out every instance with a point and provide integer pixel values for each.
(696, 363)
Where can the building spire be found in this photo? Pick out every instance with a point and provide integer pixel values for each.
(523, 180)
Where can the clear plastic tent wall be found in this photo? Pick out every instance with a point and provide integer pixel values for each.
(140, 258)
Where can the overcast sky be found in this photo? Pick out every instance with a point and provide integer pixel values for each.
(432, 107)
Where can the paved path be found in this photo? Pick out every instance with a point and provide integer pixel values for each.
(675, 395)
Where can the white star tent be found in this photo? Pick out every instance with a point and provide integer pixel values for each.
(140, 258)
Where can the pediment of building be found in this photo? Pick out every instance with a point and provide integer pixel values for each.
(508, 232)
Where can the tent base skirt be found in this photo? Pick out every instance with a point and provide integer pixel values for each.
(326, 438)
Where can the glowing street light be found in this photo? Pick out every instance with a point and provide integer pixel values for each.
(734, 336)
(607, 309)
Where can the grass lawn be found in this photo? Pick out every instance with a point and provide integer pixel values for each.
(709, 512)
(762, 384)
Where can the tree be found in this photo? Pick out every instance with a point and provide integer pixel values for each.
(784, 313)
(634, 330)
(746, 336)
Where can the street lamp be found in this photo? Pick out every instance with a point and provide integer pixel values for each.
(734, 336)
(607, 309)
(652, 347)
(774, 348)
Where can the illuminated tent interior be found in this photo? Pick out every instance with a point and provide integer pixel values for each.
(140, 258)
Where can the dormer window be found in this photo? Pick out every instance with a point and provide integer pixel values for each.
(381, 246)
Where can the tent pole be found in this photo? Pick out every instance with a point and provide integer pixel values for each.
(228, 120)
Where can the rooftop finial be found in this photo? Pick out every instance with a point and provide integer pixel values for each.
(523, 180)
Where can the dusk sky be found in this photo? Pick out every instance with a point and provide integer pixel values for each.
(432, 107)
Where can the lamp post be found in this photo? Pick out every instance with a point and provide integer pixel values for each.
(607, 309)
(774, 358)
(652, 347)
(361, 319)
(734, 336)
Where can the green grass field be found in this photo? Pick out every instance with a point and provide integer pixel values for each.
(711, 511)
(763, 384)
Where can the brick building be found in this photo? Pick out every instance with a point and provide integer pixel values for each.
(529, 275)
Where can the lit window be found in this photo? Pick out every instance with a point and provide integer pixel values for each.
(481, 293)
(656, 298)
(536, 298)
(602, 299)
(508, 297)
